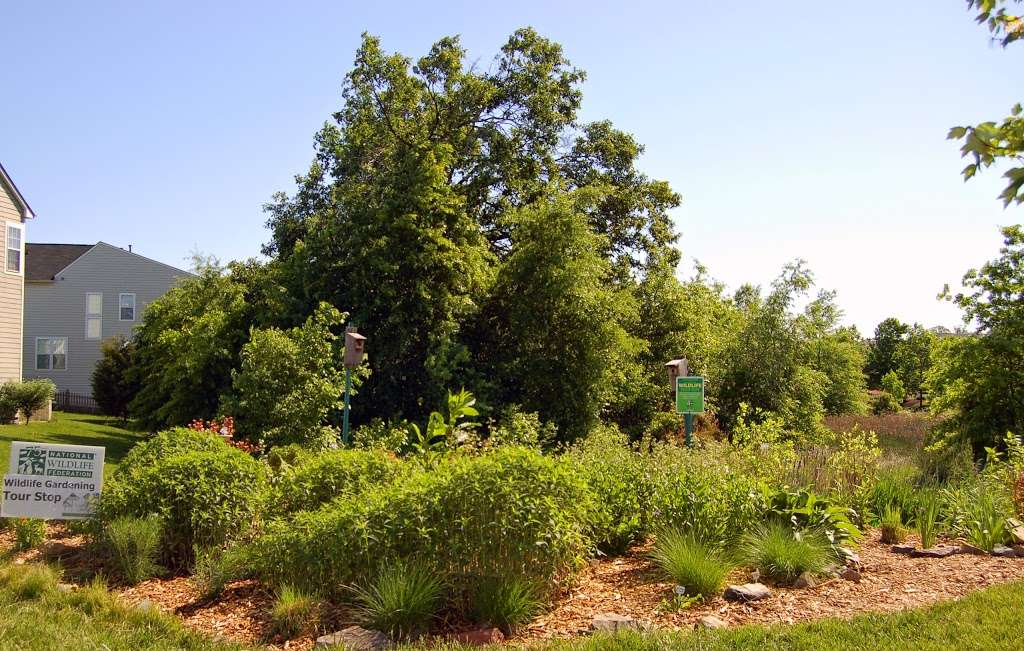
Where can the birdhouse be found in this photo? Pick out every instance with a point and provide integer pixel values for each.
(355, 344)
(677, 368)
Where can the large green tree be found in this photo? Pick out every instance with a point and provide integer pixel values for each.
(413, 199)
(552, 331)
(997, 141)
(889, 334)
(978, 381)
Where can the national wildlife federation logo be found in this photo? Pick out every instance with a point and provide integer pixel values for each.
(32, 461)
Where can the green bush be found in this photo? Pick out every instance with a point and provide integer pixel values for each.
(29, 396)
(177, 440)
(133, 545)
(504, 602)
(665, 426)
(782, 554)
(402, 600)
(516, 427)
(690, 563)
(8, 410)
(805, 511)
(29, 533)
(319, 479)
(381, 435)
(293, 613)
(978, 513)
(512, 511)
(698, 492)
(204, 498)
(619, 477)
(113, 384)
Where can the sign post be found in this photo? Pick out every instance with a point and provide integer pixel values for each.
(52, 482)
(689, 401)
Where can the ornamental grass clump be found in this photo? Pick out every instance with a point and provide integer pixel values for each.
(402, 600)
(505, 602)
(928, 520)
(29, 533)
(293, 613)
(690, 563)
(782, 554)
(891, 526)
(133, 545)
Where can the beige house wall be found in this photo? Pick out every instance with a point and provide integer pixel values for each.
(12, 292)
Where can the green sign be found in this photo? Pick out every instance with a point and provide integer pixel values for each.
(690, 395)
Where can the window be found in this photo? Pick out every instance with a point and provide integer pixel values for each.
(93, 315)
(15, 249)
(51, 353)
(126, 303)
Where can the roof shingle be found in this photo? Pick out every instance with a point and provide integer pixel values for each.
(43, 261)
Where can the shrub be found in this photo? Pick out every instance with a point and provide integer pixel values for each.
(214, 568)
(700, 493)
(664, 426)
(782, 554)
(885, 403)
(289, 382)
(979, 514)
(326, 476)
(512, 511)
(690, 563)
(927, 519)
(29, 396)
(504, 602)
(204, 498)
(516, 427)
(381, 435)
(805, 511)
(29, 533)
(401, 601)
(134, 545)
(619, 477)
(893, 385)
(892, 531)
(8, 410)
(113, 386)
(293, 613)
(177, 440)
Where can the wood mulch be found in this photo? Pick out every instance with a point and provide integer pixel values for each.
(627, 585)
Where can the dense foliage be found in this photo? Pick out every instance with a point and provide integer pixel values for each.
(113, 384)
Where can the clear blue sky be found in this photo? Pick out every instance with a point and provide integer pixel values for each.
(811, 130)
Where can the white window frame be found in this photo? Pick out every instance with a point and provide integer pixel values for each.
(89, 316)
(51, 369)
(120, 307)
(21, 248)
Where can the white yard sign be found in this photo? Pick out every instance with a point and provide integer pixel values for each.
(53, 482)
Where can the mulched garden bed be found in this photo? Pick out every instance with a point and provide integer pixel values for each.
(627, 585)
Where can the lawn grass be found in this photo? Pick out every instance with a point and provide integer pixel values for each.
(35, 615)
(74, 429)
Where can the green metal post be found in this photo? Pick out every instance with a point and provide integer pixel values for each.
(688, 418)
(348, 390)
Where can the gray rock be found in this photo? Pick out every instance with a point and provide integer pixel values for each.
(712, 622)
(850, 574)
(354, 638)
(1003, 551)
(903, 549)
(805, 580)
(611, 622)
(747, 592)
(851, 557)
(145, 605)
(66, 587)
(1019, 550)
(971, 549)
(935, 552)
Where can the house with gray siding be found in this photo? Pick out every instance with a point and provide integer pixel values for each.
(78, 295)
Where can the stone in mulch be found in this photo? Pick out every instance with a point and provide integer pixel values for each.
(903, 549)
(1016, 530)
(478, 637)
(935, 552)
(712, 622)
(805, 580)
(850, 574)
(1019, 550)
(851, 557)
(747, 592)
(354, 638)
(971, 549)
(611, 622)
(1002, 551)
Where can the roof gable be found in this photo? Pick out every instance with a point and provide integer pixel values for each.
(45, 261)
(8, 183)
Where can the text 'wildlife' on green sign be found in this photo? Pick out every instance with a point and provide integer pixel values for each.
(690, 395)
